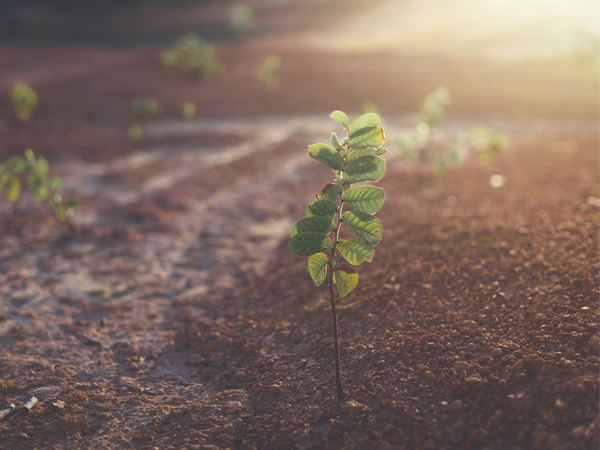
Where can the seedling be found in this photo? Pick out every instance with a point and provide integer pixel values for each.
(24, 100)
(145, 107)
(134, 132)
(242, 20)
(193, 55)
(354, 160)
(422, 146)
(266, 71)
(34, 172)
(188, 110)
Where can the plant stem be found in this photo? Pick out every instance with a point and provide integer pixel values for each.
(336, 344)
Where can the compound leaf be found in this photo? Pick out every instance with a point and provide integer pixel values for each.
(306, 244)
(340, 117)
(364, 225)
(327, 155)
(317, 224)
(365, 168)
(324, 207)
(356, 251)
(368, 199)
(317, 267)
(366, 120)
(367, 137)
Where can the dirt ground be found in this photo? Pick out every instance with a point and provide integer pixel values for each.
(476, 326)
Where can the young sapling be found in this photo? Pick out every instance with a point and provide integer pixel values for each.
(355, 159)
(33, 171)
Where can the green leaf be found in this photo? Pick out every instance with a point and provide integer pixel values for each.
(321, 208)
(42, 166)
(305, 244)
(330, 191)
(356, 251)
(364, 225)
(317, 267)
(345, 281)
(317, 224)
(367, 137)
(365, 152)
(368, 199)
(55, 183)
(334, 141)
(13, 189)
(365, 168)
(41, 193)
(17, 163)
(71, 202)
(340, 117)
(327, 155)
(366, 120)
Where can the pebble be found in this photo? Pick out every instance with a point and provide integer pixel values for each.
(352, 406)
(497, 353)
(195, 360)
(541, 318)
(460, 365)
(270, 390)
(570, 353)
(398, 406)
(456, 406)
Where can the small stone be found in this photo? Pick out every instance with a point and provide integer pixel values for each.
(270, 390)
(430, 377)
(456, 406)
(460, 365)
(520, 401)
(578, 432)
(497, 353)
(352, 406)
(398, 406)
(58, 405)
(195, 360)
(498, 415)
(474, 382)
(570, 353)
(541, 318)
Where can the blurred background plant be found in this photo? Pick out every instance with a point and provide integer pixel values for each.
(134, 132)
(266, 72)
(421, 146)
(34, 172)
(585, 53)
(145, 107)
(24, 100)
(242, 20)
(194, 56)
(188, 110)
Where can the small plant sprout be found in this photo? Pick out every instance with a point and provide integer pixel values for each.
(188, 110)
(134, 132)
(242, 20)
(422, 146)
(145, 107)
(34, 173)
(355, 159)
(193, 55)
(24, 100)
(266, 71)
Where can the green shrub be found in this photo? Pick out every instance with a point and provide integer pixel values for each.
(34, 173)
(24, 100)
(193, 55)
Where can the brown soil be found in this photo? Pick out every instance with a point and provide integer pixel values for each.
(475, 327)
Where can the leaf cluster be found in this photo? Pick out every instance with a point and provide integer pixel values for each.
(419, 146)
(33, 171)
(266, 72)
(354, 160)
(242, 20)
(193, 55)
(24, 100)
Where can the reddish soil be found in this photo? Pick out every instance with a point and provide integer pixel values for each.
(475, 327)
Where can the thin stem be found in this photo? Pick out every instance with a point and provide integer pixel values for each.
(336, 345)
